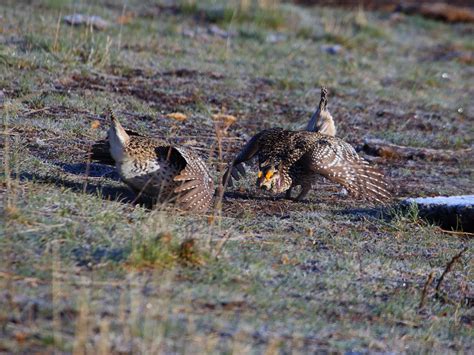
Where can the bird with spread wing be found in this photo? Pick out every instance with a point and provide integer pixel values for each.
(294, 158)
(165, 172)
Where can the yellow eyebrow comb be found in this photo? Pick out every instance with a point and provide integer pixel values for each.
(268, 175)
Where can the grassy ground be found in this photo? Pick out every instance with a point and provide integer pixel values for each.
(84, 268)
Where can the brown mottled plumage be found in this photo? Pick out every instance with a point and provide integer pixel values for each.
(322, 120)
(164, 172)
(288, 159)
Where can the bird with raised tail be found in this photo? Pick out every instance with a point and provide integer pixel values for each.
(321, 121)
(166, 173)
(295, 158)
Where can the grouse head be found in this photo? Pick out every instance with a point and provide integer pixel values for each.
(273, 178)
(118, 138)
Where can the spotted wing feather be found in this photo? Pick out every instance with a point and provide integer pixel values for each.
(196, 187)
(339, 162)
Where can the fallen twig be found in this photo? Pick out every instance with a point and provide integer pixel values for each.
(8, 133)
(428, 283)
(16, 277)
(221, 244)
(466, 234)
(381, 148)
(37, 111)
(439, 11)
(448, 269)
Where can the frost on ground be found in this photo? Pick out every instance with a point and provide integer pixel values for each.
(464, 201)
(451, 212)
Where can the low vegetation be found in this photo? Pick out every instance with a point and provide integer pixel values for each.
(86, 268)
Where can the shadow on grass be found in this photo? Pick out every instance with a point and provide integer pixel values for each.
(357, 214)
(109, 193)
(94, 170)
(250, 196)
(87, 257)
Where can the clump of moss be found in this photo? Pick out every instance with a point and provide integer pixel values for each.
(268, 16)
(166, 251)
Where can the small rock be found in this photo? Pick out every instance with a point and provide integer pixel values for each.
(332, 49)
(78, 19)
(40, 142)
(396, 17)
(217, 31)
(186, 32)
(387, 81)
(275, 38)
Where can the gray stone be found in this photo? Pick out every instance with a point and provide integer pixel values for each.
(275, 38)
(332, 49)
(78, 19)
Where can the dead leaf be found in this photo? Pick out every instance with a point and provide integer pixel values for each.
(95, 124)
(20, 337)
(126, 18)
(210, 220)
(228, 120)
(178, 116)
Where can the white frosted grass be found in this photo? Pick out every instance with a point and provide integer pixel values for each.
(464, 200)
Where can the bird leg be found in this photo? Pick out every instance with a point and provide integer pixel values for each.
(304, 191)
